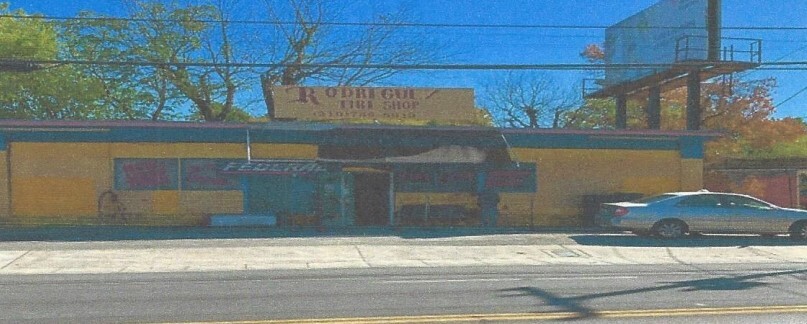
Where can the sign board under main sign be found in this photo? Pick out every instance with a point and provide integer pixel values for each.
(273, 167)
(330, 103)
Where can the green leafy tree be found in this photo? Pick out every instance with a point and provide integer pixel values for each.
(129, 91)
(182, 56)
(44, 91)
(792, 149)
(25, 38)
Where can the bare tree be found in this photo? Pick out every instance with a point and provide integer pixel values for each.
(309, 48)
(193, 49)
(528, 100)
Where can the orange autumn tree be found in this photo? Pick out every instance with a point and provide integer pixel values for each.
(741, 110)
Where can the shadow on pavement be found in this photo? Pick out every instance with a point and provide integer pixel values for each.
(576, 304)
(692, 241)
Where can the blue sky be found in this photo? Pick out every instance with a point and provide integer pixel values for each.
(545, 46)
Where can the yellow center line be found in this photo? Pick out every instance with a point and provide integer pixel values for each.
(751, 310)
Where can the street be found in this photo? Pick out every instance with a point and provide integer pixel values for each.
(394, 279)
(498, 293)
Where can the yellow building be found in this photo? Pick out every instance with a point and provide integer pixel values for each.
(164, 173)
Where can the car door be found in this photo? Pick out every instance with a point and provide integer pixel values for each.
(702, 212)
(753, 216)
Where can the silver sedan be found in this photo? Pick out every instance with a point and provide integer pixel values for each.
(672, 215)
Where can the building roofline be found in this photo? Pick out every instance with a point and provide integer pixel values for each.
(611, 132)
(17, 123)
(315, 126)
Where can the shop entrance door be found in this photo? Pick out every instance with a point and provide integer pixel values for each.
(371, 196)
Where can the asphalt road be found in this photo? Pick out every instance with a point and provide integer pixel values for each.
(404, 277)
(657, 293)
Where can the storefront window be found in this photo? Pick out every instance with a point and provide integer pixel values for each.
(516, 179)
(146, 174)
(205, 174)
(435, 178)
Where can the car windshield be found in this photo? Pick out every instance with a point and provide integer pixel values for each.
(652, 199)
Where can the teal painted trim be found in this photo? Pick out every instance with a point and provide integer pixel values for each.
(586, 141)
(362, 137)
(245, 193)
(3, 143)
(692, 147)
(411, 138)
(168, 135)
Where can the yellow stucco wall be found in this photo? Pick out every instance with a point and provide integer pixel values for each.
(54, 182)
(174, 150)
(50, 180)
(520, 209)
(691, 174)
(51, 196)
(64, 181)
(566, 175)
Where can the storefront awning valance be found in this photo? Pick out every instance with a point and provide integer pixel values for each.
(443, 154)
(394, 146)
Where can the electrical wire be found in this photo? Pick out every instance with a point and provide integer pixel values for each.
(791, 65)
(398, 24)
(791, 97)
(775, 65)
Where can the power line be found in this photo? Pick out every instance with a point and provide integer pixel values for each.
(402, 24)
(789, 65)
(791, 97)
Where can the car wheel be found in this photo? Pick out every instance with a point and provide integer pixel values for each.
(799, 231)
(670, 229)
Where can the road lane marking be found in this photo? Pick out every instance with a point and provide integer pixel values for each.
(504, 279)
(451, 280)
(714, 311)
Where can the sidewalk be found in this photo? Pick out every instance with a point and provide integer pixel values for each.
(452, 248)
